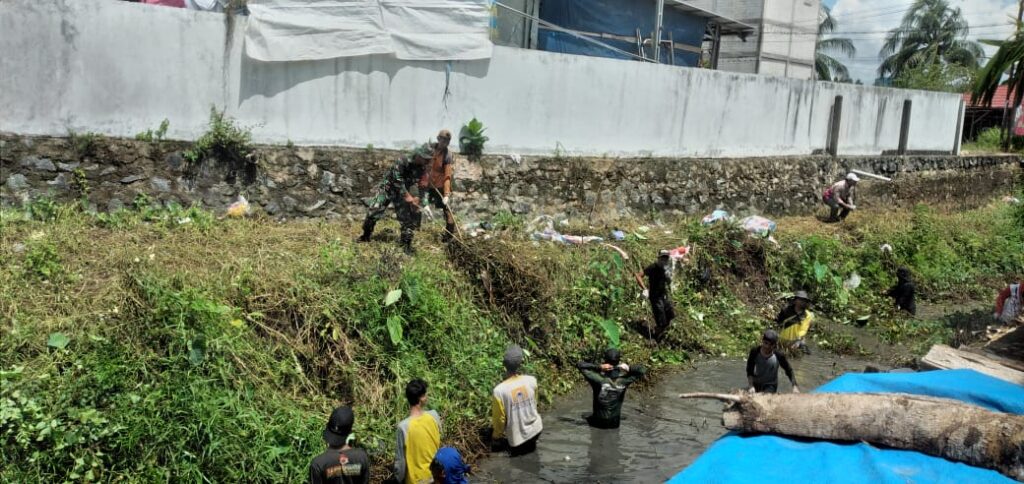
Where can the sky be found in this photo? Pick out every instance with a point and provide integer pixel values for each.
(866, 21)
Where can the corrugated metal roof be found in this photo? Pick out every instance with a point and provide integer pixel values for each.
(998, 100)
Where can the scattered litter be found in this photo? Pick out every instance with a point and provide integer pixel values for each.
(852, 283)
(184, 221)
(1011, 200)
(758, 225)
(554, 236)
(18, 248)
(681, 253)
(516, 158)
(624, 254)
(240, 208)
(716, 216)
(618, 235)
(545, 222)
(885, 248)
(643, 229)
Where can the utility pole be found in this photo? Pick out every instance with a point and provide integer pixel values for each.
(1008, 120)
(658, 19)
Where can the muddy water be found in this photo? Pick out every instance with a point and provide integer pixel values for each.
(659, 435)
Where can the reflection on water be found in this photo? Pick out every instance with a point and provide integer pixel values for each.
(659, 436)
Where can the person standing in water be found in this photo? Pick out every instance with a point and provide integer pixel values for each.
(763, 365)
(514, 415)
(609, 382)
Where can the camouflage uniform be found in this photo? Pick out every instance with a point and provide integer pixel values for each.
(402, 178)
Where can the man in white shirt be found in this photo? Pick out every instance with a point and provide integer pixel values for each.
(514, 416)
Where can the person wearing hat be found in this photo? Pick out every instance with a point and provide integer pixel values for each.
(795, 321)
(514, 415)
(609, 382)
(340, 463)
(659, 275)
(436, 183)
(448, 467)
(399, 188)
(418, 436)
(840, 197)
(763, 365)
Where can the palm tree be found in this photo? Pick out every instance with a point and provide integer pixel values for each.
(826, 66)
(1009, 59)
(930, 32)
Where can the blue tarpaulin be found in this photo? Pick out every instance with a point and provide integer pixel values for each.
(736, 458)
(617, 17)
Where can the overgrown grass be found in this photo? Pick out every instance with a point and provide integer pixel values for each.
(205, 349)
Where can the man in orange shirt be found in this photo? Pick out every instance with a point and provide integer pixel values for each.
(436, 183)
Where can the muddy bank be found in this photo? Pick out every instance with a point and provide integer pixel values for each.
(660, 434)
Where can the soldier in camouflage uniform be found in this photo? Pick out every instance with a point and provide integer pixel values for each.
(399, 188)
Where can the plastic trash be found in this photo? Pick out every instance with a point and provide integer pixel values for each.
(240, 208)
(643, 229)
(618, 235)
(758, 225)
(852, 283)
(681, 253)
(716, 216)
(1011, 200)
(885, 248)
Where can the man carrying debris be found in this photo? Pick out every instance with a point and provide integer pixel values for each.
(609, 381)
(795, 321)
(763, 365)
(399, 188)
(840, 197)
(659, 274)
(514, 415)
(436, 182)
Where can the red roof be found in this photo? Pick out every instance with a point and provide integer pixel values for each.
(998, 100)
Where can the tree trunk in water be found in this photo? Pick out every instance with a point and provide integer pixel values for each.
(937, 426)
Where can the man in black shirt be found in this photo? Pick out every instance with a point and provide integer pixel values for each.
(763, 365)
(340, 464)
(903, 292)
(659, 274)
(609, 382)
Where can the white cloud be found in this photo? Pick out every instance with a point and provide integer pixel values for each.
(858, 17)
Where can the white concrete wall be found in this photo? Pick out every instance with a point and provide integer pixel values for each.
(119, 68)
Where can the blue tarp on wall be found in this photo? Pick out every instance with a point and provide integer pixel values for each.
(736, 458)
(618, 17)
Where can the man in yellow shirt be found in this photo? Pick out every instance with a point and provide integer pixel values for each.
(514, 414)
(795, 321)
(418, 437)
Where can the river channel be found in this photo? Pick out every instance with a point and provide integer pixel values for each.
(660, 434)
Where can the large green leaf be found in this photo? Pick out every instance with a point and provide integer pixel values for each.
(392, 297)
(820, 271)
(395, 328)
(611, 330)
(58, 340)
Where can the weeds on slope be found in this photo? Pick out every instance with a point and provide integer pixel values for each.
(213, 350)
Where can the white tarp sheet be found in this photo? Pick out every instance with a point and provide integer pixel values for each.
(296, 30)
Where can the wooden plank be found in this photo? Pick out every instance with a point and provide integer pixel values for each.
(942, 357)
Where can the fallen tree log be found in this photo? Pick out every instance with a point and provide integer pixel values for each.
(936, 426)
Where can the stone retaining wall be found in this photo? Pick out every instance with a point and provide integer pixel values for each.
(295, 182)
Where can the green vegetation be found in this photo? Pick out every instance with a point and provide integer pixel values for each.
(472, 139)
(225, 142)
(159, 343)
(990, 141)
(151, 136)
(826, 67)
(83, 144)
